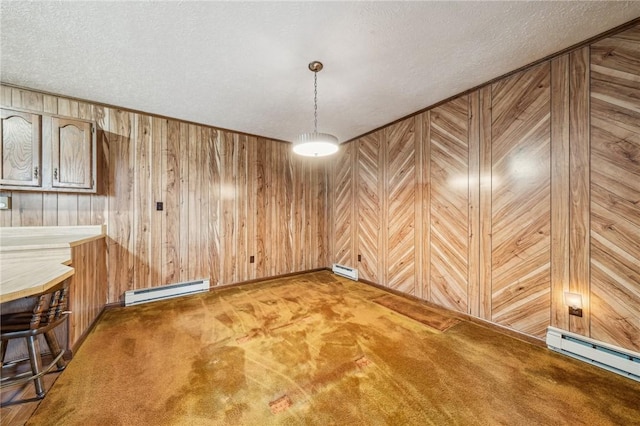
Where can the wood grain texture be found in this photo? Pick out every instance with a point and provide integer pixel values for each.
(142, 201)
(20, 148)
(615, 190)
(474, 229)
(560, 181)
(121, 204)
(401, 188)
(424, 120)
(369, 196)
(87, 288)
(521, 201)
(579, 279)
(343, 202)
(72, 153)
(171, 177)
(450, 204)
(486, 187)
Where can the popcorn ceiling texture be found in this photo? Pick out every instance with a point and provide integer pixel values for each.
(243, 66)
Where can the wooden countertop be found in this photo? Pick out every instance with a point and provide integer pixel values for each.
(34, 259)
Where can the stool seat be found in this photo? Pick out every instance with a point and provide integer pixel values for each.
(48, 313)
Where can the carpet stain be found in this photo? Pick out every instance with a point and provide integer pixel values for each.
(363, 361)
(313, 350)
(280, 404)
(417, 311)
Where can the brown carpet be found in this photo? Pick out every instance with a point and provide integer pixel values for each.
(315, 349)
(419, 312)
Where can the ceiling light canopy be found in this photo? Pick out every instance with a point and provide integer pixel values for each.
(315, 144)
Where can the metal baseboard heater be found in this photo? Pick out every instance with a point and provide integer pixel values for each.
(345, 271)
(613, 358)
(136, 297)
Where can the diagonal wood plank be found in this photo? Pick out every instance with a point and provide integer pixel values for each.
(401, 190)
(520, 255)
(449, 166)
(615, 189)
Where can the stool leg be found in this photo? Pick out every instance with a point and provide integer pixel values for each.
(3, 349)
(52, 341)
(33, 347)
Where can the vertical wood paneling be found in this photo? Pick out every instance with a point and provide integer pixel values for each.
(226, 197)
(142, 201)
(228, 234)
(87, 294)
(215, 205)
(121, 221)
(424, 120)
(204, 243)
(261, 207)
(195, 252)
(320, 215)
(184, 235)
(521, 201)
(401, 185)
(417, 206)
(450, 204)
(579, 185)
(615, 190)
(241, 209)
(486, 187)
(158, 162)
(559, 190)
(171, 249)
(285, 208)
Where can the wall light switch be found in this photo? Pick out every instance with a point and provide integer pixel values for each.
(5, 202)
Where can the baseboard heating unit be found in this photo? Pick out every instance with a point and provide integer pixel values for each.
(345, 271)
(136, 297)
(613, 358)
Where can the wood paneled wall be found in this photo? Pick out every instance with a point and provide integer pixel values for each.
(227, 196)
(497, 202)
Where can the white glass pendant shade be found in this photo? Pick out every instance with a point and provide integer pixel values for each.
(315, 144)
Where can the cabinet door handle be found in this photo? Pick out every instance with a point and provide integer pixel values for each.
(35, 172)
(55, 173)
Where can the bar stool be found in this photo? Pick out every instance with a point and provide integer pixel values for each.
(48, 313)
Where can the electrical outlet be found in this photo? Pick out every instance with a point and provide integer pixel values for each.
(359, 258)
(252, 259)
(5, 202)
(159, 206)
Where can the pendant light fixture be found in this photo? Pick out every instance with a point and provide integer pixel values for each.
(315, 144)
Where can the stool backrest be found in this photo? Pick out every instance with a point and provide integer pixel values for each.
(47, 313)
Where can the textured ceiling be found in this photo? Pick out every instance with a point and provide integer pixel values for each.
(243, 66)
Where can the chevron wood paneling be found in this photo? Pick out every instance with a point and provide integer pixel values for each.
(343, 206)
(450, 204)
(370, 194)
(401, 189)
(521, 201)
(615, 189)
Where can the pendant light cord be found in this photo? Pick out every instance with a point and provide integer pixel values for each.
(315, 101)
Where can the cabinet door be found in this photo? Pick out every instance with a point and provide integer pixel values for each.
(20, 149)
(72, 153)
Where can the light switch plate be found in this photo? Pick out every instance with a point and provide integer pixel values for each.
(5, 202)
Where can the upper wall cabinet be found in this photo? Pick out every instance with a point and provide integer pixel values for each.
(72, 153)
(20, 149)
(47, 153)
